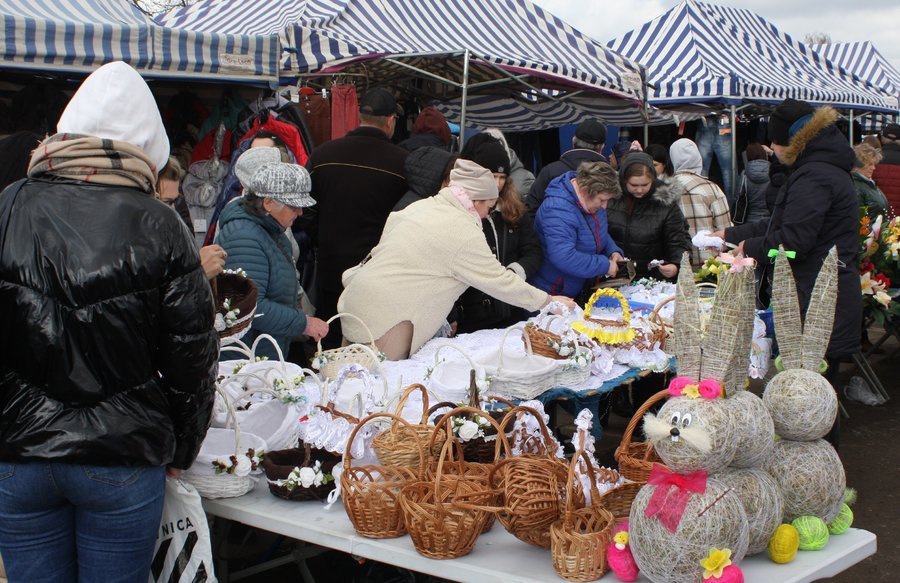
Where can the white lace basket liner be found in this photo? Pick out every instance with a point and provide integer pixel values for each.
(329, 428)
(337, 358)
(449, 378)
(274, 419)
(221, 444)
(524, 376)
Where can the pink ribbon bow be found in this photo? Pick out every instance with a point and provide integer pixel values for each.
(737, 263)
(672, 493)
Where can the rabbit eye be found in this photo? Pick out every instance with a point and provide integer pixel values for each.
(676, 418)
(686, 420)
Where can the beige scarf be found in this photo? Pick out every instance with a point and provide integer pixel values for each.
(95, 160)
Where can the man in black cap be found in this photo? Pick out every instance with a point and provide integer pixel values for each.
(588, 142)
(356, 181)
(887, 172)
(816, 210)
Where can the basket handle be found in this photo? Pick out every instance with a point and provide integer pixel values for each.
(514, 413)
(405, 396)
(639, 415)
(465, 354)
(329, 395)
(581, 455)
(397, 419)
(445, 418)
(525, 337)
(458, 500)
(348, 315)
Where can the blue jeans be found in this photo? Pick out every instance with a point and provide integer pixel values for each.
(709, 142)
(68, 522)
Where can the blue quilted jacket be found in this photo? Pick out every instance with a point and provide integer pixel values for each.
(259, 246)
(576, 244)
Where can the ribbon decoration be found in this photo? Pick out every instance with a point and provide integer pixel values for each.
(789, 254)
(670, 497)
(737, 263)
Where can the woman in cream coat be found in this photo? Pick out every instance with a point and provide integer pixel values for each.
(428, 254)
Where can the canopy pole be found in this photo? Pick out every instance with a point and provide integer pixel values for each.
(850, 133)
(465, 98)
(646, 134)
(733, 152)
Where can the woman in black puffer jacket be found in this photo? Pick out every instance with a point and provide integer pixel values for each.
(647, 222)
(107, 350)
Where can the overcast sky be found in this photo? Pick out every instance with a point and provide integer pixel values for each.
(843, 21)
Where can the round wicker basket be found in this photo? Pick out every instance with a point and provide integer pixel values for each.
(636, 459)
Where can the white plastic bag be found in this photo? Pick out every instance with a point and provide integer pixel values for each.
(183, 547)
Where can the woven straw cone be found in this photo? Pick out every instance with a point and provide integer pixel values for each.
(687, 322)
(802, 403)
(754, 430)
(396, 449)
(712, 417)
(579, 539)
(715, 519)
(636, 459)
(371, 494)
(811, 477)
(533, 488)
(762, 500)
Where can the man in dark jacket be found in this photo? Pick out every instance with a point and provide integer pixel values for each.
(427, 170)
(356, 181)
(107, 348)
(887, 172)
(590, 137)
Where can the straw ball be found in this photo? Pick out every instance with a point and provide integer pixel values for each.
(714, 519)
(811, 477)
(709, 419)
(761, 497)
(813, 532)
(802, 403)
(842, 521)
(755, 430)
(784, 544)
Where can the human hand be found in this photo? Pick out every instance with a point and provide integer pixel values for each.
(569, 303)
(613, 268)
(173, 472)
(719, 234)
(615, 257)
(315, 328)
(212, 260)
(668, 269)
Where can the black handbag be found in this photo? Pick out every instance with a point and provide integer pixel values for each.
(741, 204)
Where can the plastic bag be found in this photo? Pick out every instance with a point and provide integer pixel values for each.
(183, 548)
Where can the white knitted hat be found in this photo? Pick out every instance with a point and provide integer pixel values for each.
(478, 182)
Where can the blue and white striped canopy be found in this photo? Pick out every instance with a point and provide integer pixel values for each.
(82, 35)
(704, 53)
(515, 35)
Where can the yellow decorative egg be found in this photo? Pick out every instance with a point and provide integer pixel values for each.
(784, 544)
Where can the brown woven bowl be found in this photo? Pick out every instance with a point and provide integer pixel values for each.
(279, 464)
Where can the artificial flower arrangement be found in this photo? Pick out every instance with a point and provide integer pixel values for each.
(324, 357)
(466, 429)
(227, 319)
(879, 261)
(237, 368)
(307, 477)
(236, 296)
(240, 465)
(709, 271)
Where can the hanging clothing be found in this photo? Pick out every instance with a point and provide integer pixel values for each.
(316, 112)
(344, 110)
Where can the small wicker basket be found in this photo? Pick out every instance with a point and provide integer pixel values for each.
(579, 539)
(242, 293)
(337, 358)
(279, 464)
(618, 500)
(371, 493)
(637, 459)
(395, 449)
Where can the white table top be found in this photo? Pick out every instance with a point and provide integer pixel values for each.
(497, 556)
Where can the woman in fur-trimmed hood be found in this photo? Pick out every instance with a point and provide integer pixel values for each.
(816, 210)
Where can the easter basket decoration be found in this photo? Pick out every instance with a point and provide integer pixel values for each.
(393, 446)
(329, 362)
(636, 459)
(235, 296)
(609, 329)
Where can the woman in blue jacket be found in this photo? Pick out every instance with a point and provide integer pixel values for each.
(571, 226)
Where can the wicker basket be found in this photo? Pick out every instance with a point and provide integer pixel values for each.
(541, 341)
(371, 493)
(446, 512)
(396, 449)
(242, 293)
(279, 464)
(659, 332)
(337, 358)
(579, 539)
(218, 444)
(618, 500)
(533, 488)
(637, 459)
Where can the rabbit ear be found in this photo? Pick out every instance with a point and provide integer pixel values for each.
(744, 297)
(720, 343)
(687, 322)
(786, 312)
(820, 314)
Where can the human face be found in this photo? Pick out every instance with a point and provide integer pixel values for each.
(867, 170)
(262, 143)
(284, 214)
(501, 180)
(168, 190)
(660, 168)
(483, 207)
(639, 186)
(779, 150)
(592, 202)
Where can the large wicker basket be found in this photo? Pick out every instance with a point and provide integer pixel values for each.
(336, 358)
(371, 493)
(533, 487)
(579, 539)
(394, 448)
(636, 459)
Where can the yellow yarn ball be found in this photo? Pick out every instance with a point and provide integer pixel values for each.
(784, 544)
(842, 521)
(813, 532)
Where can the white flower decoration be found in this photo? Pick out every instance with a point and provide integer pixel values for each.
(307, 477)
(243, 466)
(468, 430)
(220, 323)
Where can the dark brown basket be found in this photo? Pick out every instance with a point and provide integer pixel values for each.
(637, 459)
(242, 292)
(279, 464)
